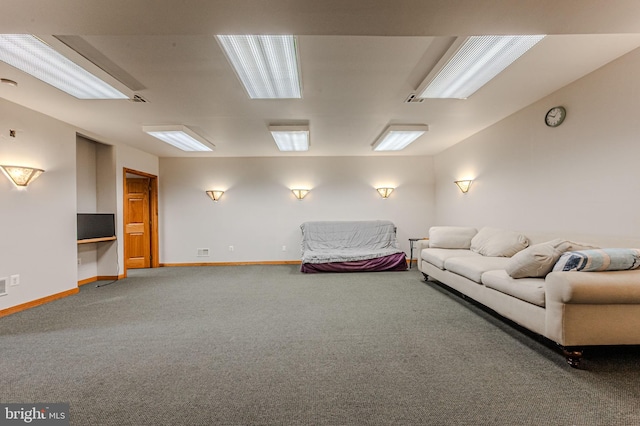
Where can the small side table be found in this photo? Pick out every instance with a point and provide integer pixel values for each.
(412, 241)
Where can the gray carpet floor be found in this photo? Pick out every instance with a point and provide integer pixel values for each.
(267, 345)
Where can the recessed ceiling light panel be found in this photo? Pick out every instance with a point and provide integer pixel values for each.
(398, 137)
(267, 65)
(179, 136)
(291, 138)
(37, 58)
(475, 61)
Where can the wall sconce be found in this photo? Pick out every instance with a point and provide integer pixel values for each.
(464, 185)
(300, 193)
(21, 176)
(215, 195)
(385, 192)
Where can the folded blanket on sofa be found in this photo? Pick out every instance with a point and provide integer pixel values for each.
(609, 259)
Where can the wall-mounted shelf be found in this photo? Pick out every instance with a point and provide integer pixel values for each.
(96, 240)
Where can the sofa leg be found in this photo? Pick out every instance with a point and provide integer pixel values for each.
(426, 277)
(573, 356)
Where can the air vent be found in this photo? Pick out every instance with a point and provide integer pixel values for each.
(413, 99)
(138, 98)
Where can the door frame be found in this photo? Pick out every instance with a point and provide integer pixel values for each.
(153, 215)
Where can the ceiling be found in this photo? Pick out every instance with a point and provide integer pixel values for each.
(360, 60)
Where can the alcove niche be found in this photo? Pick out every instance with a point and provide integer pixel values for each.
(96, 193)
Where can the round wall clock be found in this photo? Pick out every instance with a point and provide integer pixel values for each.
(555, 116)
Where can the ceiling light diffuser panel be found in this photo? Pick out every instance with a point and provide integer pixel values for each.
(291, 138)
(267, 65)
(30, 54)
(179, 136)
(398, 137)
(476, 61)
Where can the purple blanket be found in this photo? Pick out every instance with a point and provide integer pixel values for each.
(393, 262)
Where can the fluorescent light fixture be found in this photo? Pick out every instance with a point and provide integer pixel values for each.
(30, 54)
(475, 61)
(291, 138)
(267, 65)
(398, 137)
(179, 136)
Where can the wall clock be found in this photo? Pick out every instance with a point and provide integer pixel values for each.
(555, 116)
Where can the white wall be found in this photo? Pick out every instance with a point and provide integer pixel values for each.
(37, 224)
(86, 196)
(582, 177)
(258, 214)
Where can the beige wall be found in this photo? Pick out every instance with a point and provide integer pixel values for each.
(258, 214)
(581, 177)
(37, 224)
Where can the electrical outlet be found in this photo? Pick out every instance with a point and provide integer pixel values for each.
(284, 248)
(230, 248)
(14, 279)
(79, 261)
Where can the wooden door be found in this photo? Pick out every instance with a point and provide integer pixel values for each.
(137, 223)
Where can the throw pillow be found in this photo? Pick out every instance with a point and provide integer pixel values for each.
(498, 242)
(609, 259)
(451, 237)
(538, 260)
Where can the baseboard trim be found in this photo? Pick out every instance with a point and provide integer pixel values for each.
(87, 281)
(37, 302)
(266, 262)
(100, 278)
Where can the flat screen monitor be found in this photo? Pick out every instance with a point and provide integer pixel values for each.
(96, 225)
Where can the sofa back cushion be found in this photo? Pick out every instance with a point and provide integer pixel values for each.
(498, 242)
(451, 237)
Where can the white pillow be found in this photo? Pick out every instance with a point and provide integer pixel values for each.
(538, 260)
(498, 242)
(451, 237)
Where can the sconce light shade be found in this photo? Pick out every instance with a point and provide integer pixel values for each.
(464, 185)
(215, 195)
(300, 193)
(384, 192)
(21, 176)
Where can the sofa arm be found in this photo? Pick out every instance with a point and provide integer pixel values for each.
(421, 244)
(610, 287)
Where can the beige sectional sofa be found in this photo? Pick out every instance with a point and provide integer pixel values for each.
(572, 308)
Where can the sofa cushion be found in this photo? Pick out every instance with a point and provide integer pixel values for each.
(451, 237)
(538, 260)
(610, 259)
(472, 267)
(498, 242)
(437, 256)
(528, 289)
